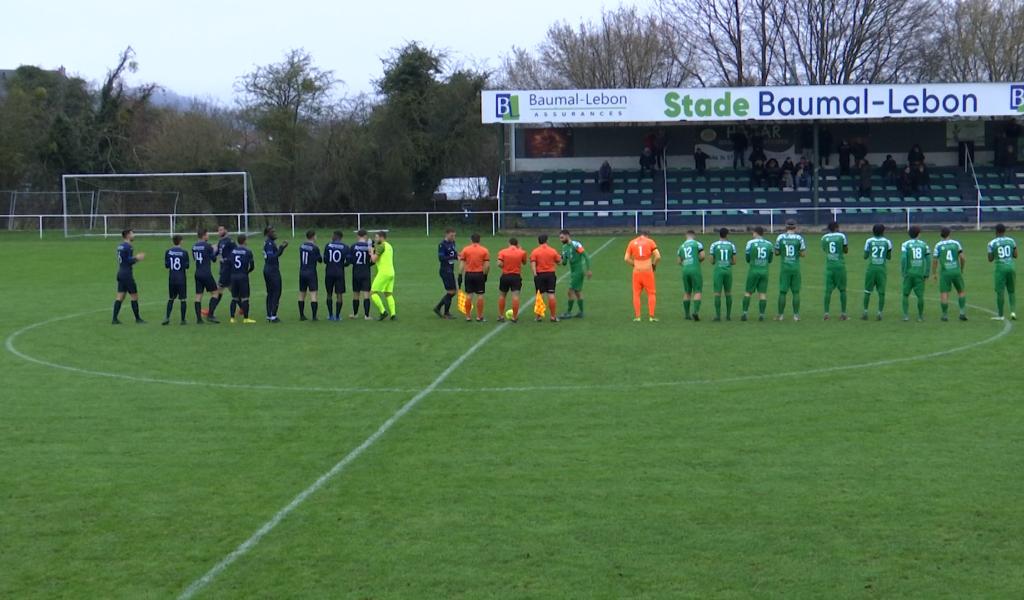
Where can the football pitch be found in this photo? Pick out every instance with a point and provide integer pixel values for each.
(423, 458)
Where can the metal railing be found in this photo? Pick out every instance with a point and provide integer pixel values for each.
(602, 217)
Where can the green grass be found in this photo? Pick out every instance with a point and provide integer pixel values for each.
(720, 479)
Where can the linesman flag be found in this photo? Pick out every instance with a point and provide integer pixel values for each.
(463, 302)
(539, 307)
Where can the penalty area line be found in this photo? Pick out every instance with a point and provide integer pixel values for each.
(197, 586)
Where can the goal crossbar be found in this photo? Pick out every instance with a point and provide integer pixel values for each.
(78, 176)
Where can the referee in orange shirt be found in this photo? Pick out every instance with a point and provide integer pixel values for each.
(475, 262)
(543, 261)
(642, 254)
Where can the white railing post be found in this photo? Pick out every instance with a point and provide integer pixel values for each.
(171, 223)
(359, 221)
(978, 217)
(104, 226)
(494, 224)
(293, 225)
(40, 226)
(908, 218)
(561, 219)
(238, 223)
(428, 223)
(771, 220)
(703, 221)
(636, 221)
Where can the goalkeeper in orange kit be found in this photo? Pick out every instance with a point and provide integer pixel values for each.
(642, 254)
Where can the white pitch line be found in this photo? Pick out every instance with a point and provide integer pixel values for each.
(267, 527)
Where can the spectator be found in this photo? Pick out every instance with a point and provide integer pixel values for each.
(824, 146)
(604, 177)
(757, 154)
(660, 145)
(924, 178)
(915, 156)
(907, 183)
(739, 147)
(804, 173)
(865, 178)
(890, 170)
(788, 173)
(1006, 161)
(756, 174)
(844, 158)
(860, 151)
(773, 174)
(647, 162)
(700, 160)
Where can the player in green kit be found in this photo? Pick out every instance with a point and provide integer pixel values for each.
(914, 268)
(1003, 252)
(574, 255)
(759, 252)
(690, 256)
(836, 247)
(723, 257)
(948, 267)
(383, 287)
(791, 247)
(878, 253)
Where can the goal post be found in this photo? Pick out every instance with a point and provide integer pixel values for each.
(176, 200)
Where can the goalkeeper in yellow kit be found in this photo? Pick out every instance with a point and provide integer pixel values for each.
(383, 286)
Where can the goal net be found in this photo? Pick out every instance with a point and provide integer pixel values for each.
(155, 203)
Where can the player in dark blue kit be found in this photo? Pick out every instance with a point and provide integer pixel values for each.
(361, 258)
(309, 256)
(126, 257)
(242, 263)
(335, 260)
(176, 263)
(224, 247)
(447, 255)
(272, 271)
(204, 255)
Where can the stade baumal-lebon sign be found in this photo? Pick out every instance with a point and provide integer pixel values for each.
(938, 100)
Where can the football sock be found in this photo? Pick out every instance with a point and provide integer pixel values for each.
(552, 303)
(170, 307)
(962, 302)
(636, 303)
(330, 308)
(828, 302)
(905, 305)
(746, 304)
(199, 310)
(515, 308)
(580, 304)
(881, 301)
(366, 307)
(718, 307)
(245, 308)
(355, 306)
(501, 306)
(213, 305)
(782, 303)
(686, 308)
(1013, 301)
(652, 300)
(448, 304)
(135, 309)
(1000, 305)
(696, 306)
(796, 303)
(302, 309)
(316, 306)
(762, 305)
(728, 306)
(117, 307)
(184, 310)
(337, 308)
(377, 302)
(391, 305)
(571, 304)
(867, 300)
(234, 308)
(920, 306)
(945, 308)
(842, 300)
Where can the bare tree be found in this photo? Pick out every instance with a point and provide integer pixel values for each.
(624, 49)
(978, 40)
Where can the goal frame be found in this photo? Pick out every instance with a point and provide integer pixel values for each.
(75, 176)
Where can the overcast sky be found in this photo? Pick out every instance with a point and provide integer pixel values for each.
(199, 48)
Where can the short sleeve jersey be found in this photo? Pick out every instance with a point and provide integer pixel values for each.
(475, 255)
(722, 253)
(335, 258)
(125, 258)
(789, 246)
(271, 255)
(877, 251)
(447, 255)
(309, 256)
(224, 247)
(915, 257)
(546, 258)
(512, 260)
(203, 255)
(1001, 250)
(385, 258)
(689, 252)
(176, 262)
(759, 253)
(947, 252)
(572, 255)
(359, 258)
(833, 244)
(242, 262)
